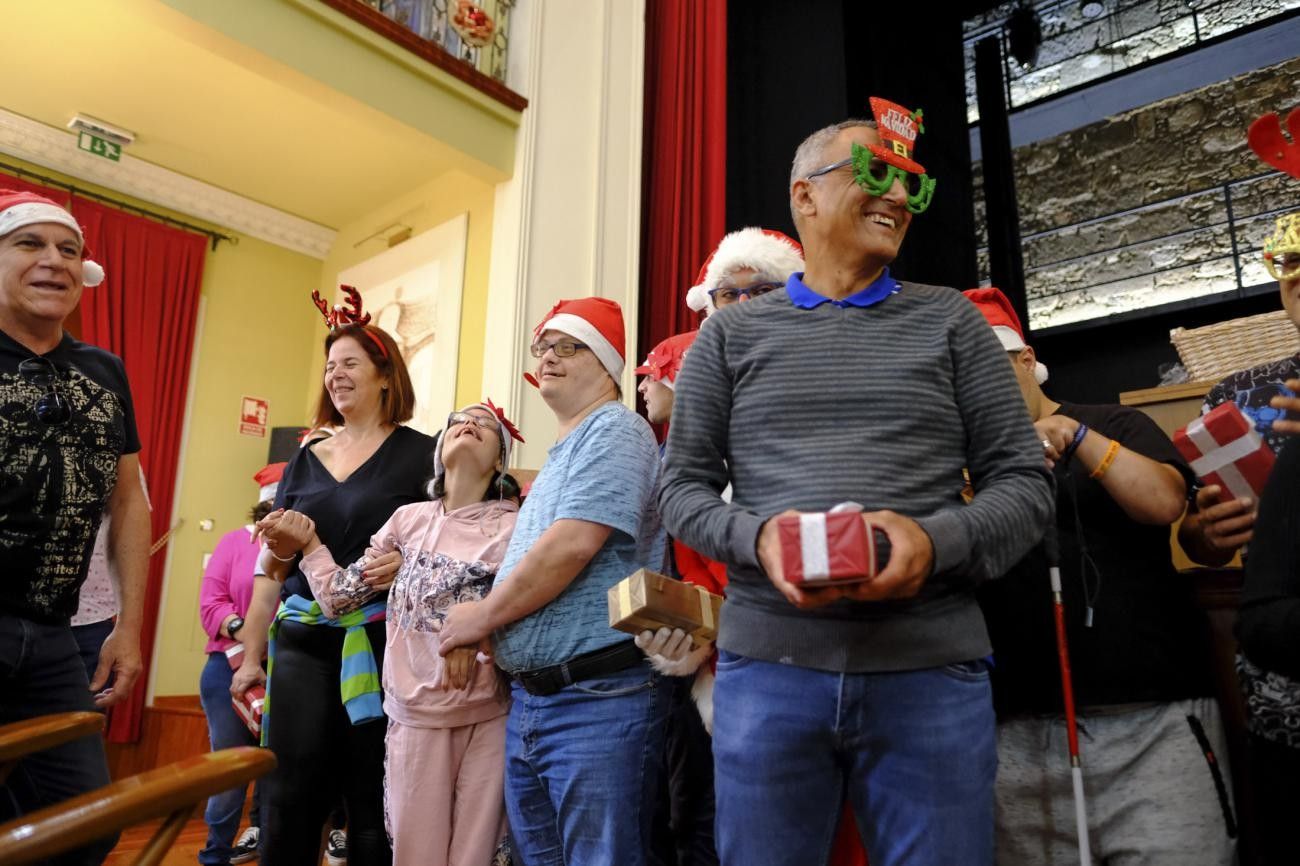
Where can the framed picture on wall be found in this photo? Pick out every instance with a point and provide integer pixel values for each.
(413, 292)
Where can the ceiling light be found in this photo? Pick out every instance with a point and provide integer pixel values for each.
(100, 129)
(1091, 9)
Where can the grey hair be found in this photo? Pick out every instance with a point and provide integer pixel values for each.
(808, 156)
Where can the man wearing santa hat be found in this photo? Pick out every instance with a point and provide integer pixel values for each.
(850, 385)
(1154, 747)
(66, 406)
(589, 521)
(746, 264)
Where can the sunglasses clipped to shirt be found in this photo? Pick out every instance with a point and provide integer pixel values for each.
(51, 408)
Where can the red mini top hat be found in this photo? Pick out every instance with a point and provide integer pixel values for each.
(1266, 139)
(997, 309)
(665, 360)
(18, 209)
(268, 480)
(768, 252)
(598, 322)
(898, 128)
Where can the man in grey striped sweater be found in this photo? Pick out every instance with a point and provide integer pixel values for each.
(849, 385)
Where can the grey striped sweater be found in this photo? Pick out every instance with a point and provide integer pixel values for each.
(882, 405)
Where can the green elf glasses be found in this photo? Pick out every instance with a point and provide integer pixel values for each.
(876, 177)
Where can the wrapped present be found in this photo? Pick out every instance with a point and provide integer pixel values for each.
(1224, 448)
(646, 600)
(249, 707)
(824, 548)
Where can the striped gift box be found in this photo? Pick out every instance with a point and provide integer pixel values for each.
(1224, 448)
(819, 549)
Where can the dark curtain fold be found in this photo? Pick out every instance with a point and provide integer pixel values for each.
(146, 313)
(684, 161)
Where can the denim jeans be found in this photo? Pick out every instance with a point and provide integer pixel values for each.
(225, 730)
(90, 639)
(582, 769)
(42, 673)
(915, 752)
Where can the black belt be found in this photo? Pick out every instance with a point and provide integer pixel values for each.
(608, 660)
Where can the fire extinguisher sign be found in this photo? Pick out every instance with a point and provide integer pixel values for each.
(253, 413)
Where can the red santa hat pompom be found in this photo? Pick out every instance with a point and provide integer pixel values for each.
(598, 322)
(665, 360)
(997, 309)
(268, 480)
(769, 252)
(18, 209)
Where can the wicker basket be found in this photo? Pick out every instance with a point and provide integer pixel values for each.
(1214, 351)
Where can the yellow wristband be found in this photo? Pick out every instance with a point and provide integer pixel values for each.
(1106, 461)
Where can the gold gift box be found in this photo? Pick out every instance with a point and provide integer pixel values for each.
(647, 600)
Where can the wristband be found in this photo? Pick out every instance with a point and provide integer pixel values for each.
(281, 558)
(1105, 461)
(1074, 443)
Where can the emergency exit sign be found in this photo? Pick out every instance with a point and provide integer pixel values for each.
(99, 146)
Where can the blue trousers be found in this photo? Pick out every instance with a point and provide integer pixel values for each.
(225, 730)
(915, 753)
(41, 673)
(582, 769)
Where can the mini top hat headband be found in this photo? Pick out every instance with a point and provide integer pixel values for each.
(877, 166)
(1267, 141)
(340, 316)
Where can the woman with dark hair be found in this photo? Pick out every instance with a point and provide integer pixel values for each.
(445, 765)
(323, 716)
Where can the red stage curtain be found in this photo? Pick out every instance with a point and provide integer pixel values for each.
(684, 180)
(145, 312)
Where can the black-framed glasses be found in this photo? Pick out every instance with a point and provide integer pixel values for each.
(51, 408)
(728, 295)
(455, 419)
(563, 348)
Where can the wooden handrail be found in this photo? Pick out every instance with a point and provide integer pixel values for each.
(19, 739)
(170, 792)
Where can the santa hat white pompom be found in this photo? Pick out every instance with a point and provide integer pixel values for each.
(92, 273)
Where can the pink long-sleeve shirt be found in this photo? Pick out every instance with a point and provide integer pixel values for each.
(227, 584)
(447, 558)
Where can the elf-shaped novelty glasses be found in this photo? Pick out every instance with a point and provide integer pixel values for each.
(876, 177)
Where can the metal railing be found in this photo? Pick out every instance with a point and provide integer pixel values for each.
(1111, 264)
(477, 33)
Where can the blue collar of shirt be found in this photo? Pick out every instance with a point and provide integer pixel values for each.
(805, 298)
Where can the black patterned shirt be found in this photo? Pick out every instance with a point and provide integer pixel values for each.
(55, 481)
(1252, 390)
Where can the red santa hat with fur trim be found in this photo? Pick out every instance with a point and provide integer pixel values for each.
(598, 322)
(997, 309)
(19, 209)
(771, 253)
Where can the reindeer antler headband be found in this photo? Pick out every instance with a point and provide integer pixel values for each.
(1266, 139)
(340, 315)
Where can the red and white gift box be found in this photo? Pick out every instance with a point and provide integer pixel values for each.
(822, 548)
(1224, 448)
(249, 708)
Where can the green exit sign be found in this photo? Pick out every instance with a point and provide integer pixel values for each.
(99, 146)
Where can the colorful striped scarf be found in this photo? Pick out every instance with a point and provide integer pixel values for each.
(359, 684)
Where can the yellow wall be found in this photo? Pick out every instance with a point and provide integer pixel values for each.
(424, 208)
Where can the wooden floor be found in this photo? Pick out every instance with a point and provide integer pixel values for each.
(184, 853)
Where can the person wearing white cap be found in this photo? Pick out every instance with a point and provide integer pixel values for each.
(589, 521)
(65, 404)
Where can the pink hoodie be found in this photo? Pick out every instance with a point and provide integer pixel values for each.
(227, 584)
(446, 559)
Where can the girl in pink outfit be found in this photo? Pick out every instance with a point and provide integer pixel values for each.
(445, 761)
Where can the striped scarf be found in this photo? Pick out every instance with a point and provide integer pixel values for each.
(358, 676)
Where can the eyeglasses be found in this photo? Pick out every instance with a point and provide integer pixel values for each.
(51, 409)
(876, 177)
(563, 348)
(455, 419)
(1283, 265)
(723, 297)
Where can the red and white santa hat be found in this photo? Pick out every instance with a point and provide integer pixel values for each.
(665, 360)
(268, 481)
(997, 309)
(505, 427)
(598, 322)
(769, 252)
(18, 209)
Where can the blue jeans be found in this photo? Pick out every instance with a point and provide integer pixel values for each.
(915, 753)
(582, 769)
(225, 730)
(42, 673)
(90, 639)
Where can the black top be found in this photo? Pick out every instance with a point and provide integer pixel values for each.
(1268, 622)
(347, 514)
(55, 481)
(1148, 640)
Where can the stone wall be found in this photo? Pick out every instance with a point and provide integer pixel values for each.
(1132, 211)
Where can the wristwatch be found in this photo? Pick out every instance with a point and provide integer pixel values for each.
(235, 625)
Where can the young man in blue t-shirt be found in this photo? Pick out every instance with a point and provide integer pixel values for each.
(589, 521)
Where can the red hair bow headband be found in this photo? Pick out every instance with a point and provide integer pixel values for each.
(340, 316)
(1266, 139)
(506, 423)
